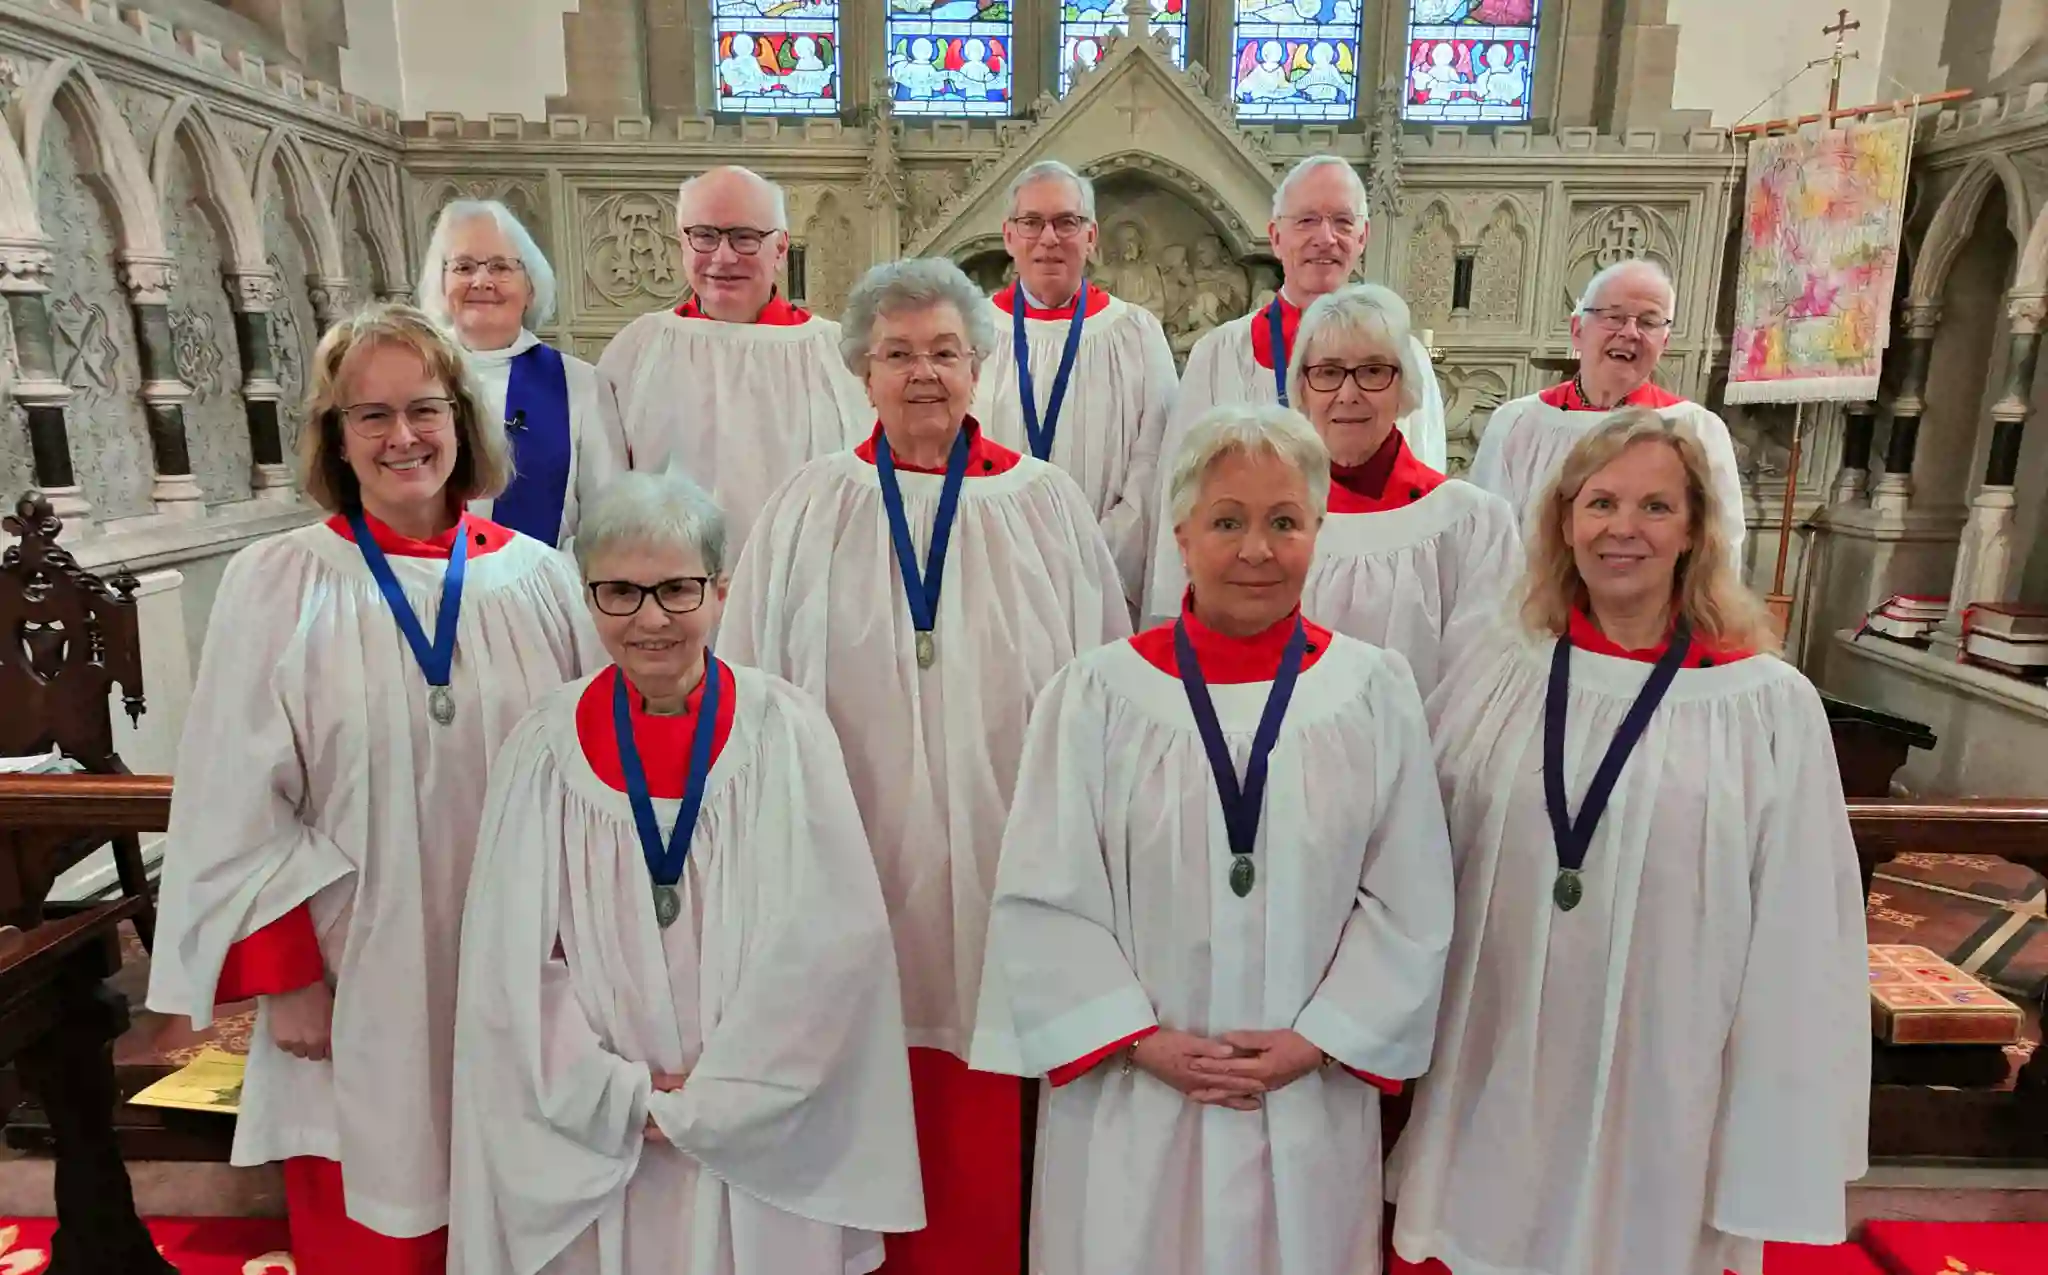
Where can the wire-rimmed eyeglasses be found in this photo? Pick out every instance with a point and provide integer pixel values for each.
(622, 598)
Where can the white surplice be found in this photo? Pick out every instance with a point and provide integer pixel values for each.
(739, 407)
(310, 772)
(1113, 914)
(597, 439)
(775, 991)
(1678, 1069)
(1110, 422)
(1527, 440)
(1029, 583)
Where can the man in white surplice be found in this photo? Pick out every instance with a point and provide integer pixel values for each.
(1112, 408)
(1217, 1009)
(736, 386)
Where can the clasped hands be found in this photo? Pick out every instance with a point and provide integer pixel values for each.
(664, 1082)
(1231, 1070)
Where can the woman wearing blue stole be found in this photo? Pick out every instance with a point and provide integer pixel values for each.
(485, 280)
(359, 676)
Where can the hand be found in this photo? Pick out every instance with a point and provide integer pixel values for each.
(1174, 1057)
(1270, 1060)
(302, 1022)
(664, 1082)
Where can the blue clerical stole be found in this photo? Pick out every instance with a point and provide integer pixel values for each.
(537, 423)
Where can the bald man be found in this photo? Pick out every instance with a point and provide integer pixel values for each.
(736, 386)
(1619, 331)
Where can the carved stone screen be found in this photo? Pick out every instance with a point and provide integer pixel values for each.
(778, 57)
(1086, 24)
(950, 57)
(1295, 60)
(1470, 61)
(203, 341)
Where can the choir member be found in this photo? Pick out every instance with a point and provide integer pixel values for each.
(1078, 377)
(925, 587)
(331, 780)
(1655, 1035)
(736, 386)
(1407, 558)
(485, 280)
(1224, 902)
(1619, 331)
(1319, 227)
(680, 1034)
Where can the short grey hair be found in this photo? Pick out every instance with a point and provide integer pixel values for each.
(540, 276)
(1309, 165)
(1272, 430)
(658, 508)
(1365, 312)
(1633, 265)
(775, 194)
(914, 283)
(1049, 170)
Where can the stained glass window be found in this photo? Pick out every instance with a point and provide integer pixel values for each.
(950, 57)
(777, 57)
(1086, 25)
(1295, 59)
(1470, 61)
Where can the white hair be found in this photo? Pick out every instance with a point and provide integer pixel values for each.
(914, 283)
(774, 194)
(1598, 283)
(661, 509)
(1047, 170)
(1308, 166)
(1367, 312)
(540, 276)
(1242, 428)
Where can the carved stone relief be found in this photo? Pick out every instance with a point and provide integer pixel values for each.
(203, 344)
(631, 262)
(17, 460)
(1602, 234)
(1432, 261)
(144, 109)
(1158, 251)
(358, 257)
(294, 329)
(1470, 395)
(93, 332)
(244, 138)
(930, 188)
(525, 196)
(833, 257)
(1497, 274)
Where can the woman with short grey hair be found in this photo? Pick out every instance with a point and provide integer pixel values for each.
(486, 280)
(673, 1014)
(925, 586)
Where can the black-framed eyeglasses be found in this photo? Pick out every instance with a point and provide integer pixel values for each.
(1065, 226)
(1325, 378)
(622, 598)
(745, 240)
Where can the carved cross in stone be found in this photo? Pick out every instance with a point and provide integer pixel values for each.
(1134, 110)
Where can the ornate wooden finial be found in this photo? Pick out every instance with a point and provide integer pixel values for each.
(33, 519)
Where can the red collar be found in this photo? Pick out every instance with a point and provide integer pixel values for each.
(1649, 394)
(1587, 636)
(1390, 479)
(1228, 661)
(776, 314)
(985, 457)
(486, 537)
(664, 742)
(1006, 301)
(1262, 333)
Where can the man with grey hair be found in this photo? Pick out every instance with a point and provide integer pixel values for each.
(1078, 377)
(1619, 331)
(736, 385)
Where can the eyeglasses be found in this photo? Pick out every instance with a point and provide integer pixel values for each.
(490, 267)
(745, 240)
(1064, 226)
(1341, 224)
(904, 362)
(623, 598)
(1617, 320)
(377, 420)
(1327, 378)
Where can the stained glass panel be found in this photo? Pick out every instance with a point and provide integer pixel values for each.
(950, 57)
(1295, 60)
(1471, 61)
(777, 57)
(1085, 25)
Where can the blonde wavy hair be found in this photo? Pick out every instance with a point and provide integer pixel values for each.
(1707, 593)
(483, 458)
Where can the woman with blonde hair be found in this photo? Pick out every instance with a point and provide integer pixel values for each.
(358, 678)
(1654, 1027)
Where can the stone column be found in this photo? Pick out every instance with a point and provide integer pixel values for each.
(149, 281)
(252, 295)
(42, 394)
(1894, 492)
(1852, 480)
(333, 300)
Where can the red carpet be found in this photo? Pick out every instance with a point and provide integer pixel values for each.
(195, 1245)
(1953, 1248)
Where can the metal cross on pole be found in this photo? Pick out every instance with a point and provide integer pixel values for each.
(1840, 31)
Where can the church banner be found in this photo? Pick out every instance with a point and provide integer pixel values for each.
(1820, 251)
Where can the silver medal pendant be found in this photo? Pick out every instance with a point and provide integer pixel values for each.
(1568, 891)
(668, 905)
(927, 651)
(1241, 875)
(441, 704)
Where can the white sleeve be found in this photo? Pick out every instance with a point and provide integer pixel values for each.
(1425, 428)
(1489, 470)
(1720, 449)
(1129, 524)
(600, 451)
(1095, 593)
(1490, 567)
(753, 631)
(1165, 580)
